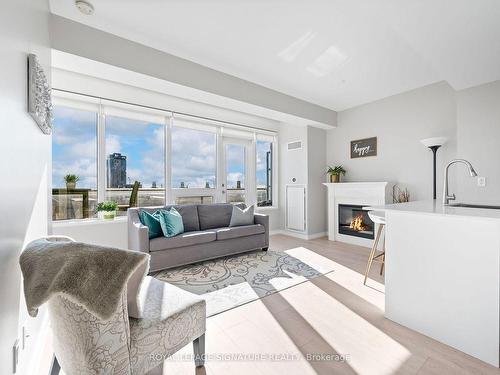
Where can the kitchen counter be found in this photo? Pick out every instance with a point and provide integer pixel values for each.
(442, 274)
(436, 207)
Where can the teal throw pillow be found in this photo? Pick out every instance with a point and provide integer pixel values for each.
(152, 221)
(171, 222)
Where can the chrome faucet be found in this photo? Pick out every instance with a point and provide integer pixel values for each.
(446, 196)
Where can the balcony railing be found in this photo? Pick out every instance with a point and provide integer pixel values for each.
(81, 203)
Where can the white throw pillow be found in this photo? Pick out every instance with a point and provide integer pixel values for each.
(242, 217)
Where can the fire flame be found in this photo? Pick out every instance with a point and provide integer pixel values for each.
(357, 223)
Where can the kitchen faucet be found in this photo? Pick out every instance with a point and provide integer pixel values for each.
(446, 196)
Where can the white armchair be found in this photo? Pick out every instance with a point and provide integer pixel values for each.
(84, 344)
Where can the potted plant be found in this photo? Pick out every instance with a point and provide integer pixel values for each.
(106, 210)
(335, 173)
(71, 180)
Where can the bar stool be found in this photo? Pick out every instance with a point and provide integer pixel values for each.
(378, 217)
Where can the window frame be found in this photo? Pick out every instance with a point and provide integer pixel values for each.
(127, 114)
(191, 192)
(221, 129)
(274, 173)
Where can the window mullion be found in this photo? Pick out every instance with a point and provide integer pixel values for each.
(101, 155)
(219, 168)
(251, 171)
(169, 199)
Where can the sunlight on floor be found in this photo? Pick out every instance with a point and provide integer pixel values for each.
(248, 330)
(312, 259)
(347, 332)
(373, 292)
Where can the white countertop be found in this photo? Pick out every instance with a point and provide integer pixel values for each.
(435, 207)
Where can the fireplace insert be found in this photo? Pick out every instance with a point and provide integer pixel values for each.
(354, 221)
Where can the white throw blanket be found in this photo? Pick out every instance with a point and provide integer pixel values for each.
(89, 275)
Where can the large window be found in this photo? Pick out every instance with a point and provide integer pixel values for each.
(135, 156)
(264, 173)
(193, 158)
(235, 157)
(134, 152)
(74, 163)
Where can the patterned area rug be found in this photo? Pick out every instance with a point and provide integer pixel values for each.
(232, 281)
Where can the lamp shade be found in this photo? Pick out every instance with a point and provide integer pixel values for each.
(435, 141)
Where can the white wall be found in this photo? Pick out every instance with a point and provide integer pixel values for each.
(317, 192)
(292, 164)
(104, 233)
(478, 126)
(307, 166)
(25, 167)
(469, 118)
(89, 85)
(399, 122)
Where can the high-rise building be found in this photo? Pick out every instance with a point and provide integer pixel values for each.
(117, 170)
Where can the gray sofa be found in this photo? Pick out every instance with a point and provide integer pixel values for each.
(207, 235)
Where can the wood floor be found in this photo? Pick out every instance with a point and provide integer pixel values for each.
(329, 325)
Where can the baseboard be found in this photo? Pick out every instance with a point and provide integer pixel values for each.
(302, 236)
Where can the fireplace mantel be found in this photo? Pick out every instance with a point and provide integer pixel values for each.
(354, 193)
(351, 185)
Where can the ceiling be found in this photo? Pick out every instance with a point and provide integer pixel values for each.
(334, 53)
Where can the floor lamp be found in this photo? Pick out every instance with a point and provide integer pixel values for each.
(434, 144)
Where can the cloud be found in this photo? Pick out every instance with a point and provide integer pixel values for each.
(85, 168)
(193, 152)
(113, 144)
(232, 179)
(193, 157)
(86, 149)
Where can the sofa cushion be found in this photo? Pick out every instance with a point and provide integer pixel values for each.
(241, 217)
(189, 213)
(152, 221)
(214, 215)
(171, 222)
(241, 231)
(184, 239)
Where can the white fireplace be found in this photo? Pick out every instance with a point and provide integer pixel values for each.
(346, 220)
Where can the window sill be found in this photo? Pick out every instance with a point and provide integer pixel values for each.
(93, 221)
(266, 208)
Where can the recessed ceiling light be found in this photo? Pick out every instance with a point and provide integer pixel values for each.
(85, 7)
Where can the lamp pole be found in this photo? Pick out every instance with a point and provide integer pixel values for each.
(434, 144)
(434, 150)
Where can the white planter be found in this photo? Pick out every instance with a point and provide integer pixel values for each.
(107, 215)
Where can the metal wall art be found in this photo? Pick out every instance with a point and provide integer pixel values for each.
(39, 99)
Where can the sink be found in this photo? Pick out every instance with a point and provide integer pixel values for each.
(467, 205)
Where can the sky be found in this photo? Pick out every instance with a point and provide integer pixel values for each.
(143, 144)
(262, 149)
(74, 151)
(74, 146)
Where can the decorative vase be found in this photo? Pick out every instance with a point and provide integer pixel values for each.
(107, 215)
(334, 178)
(70, 185)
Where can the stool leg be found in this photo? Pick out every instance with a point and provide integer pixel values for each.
(383, 258)
(372, 252)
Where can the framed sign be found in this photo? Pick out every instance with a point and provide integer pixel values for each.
(363, 148)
